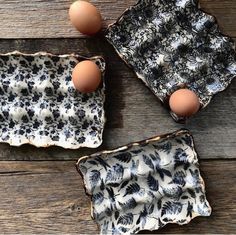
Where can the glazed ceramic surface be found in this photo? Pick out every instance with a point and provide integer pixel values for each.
(145, 185)
(40, 106)
(172, 44)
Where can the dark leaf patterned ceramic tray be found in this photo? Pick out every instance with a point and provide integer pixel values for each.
(40, 106)
(172, 44)
(145, 185)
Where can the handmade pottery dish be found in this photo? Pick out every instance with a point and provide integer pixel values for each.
(40, 106)
(145, 185)
(172, 44)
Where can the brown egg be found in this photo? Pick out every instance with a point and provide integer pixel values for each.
(85, 17)
(86, 76)
(184, 102)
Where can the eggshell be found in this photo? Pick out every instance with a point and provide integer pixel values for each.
(85, 17)
(86, 76)
(184, 102)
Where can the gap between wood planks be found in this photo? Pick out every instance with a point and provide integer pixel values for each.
(31, 167)
(133, 112)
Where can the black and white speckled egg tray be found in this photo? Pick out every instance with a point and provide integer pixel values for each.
(171, 44)
(40, 106)
(145, 185)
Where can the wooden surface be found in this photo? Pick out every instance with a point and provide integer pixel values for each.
(41, 192)
(48, 197)
(49, 19)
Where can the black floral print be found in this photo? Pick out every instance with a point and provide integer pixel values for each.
(144, 186)
(40, 106)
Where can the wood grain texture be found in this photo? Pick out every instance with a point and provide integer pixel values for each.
(48, 197)
(39, 196)
(49, 19)
(132, 111)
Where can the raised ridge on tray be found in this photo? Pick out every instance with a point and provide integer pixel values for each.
(40, 106)
(145, 185)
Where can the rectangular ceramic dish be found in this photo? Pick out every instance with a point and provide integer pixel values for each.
(40, 106)
(145, 185)
(172, 45)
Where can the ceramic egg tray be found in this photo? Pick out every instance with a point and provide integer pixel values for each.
(145, 185)
(40, 106)
(172, 44)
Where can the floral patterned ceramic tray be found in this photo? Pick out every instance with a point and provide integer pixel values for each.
(172, 44)
(40, 106)
(145, 185)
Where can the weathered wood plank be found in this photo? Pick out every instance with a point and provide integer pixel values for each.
(48, 197)
(49, 19)
(132, 111)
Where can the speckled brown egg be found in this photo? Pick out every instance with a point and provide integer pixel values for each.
(85, 17)
(184, 102)
(86, 76)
